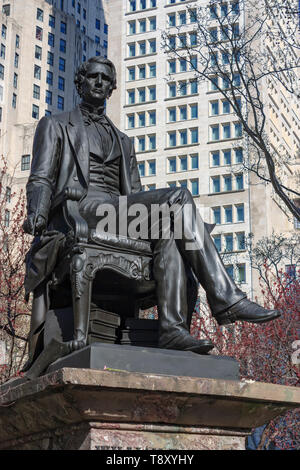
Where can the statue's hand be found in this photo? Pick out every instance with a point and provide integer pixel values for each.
(34, 226)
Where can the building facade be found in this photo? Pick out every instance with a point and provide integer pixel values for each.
(185, 133)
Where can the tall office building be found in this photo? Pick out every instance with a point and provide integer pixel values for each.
(42, 44)
(185, 133)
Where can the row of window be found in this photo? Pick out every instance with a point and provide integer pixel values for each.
(227, 130)
(229, 242)
(237, 272)
(141, 26)
(63, 28)
(134, 5)
(182, 17)
(226, 157)
(182, 113)
(182, 40)
(49, 76)
(192, 185)
(141, 72)
(225, 183)
(182, 65)
(144, 143)
(183, 163)
(218, 107)
(182, 88)
(224, 33)
(51, 39)
(141, 95)
(224, 9)
(224, 82)
(182, 137)
(143, 119)
(142, 48)
(50, 59)
(229, 214)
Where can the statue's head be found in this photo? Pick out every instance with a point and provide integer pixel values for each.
(95, 80)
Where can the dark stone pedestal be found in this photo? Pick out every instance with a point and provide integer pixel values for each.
(74, 409)
(150, 360)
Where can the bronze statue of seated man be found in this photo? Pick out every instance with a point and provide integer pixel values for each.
(84, 151)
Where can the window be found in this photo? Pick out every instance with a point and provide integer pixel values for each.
(224, 9)
(240, 213)
(216, 184)
(227, 183)
(172, 66)
(238, 155)
(226, 131)
(194, 162)
(227, 157)
(62, 64)
(142, 95)
(6, 10)
(131, 96)
(141, 144)
(214, 83)
(152, 3)
(182, 17)
(3, 31)
(193, 63)
(183, 113)
(105, 28)
(48, 97)
(172, 139)
(52, 21)
(63, 27)
(193, 16)
(8, 194)
(225, 83)
(152, 93)
(214, 108)
(97, 24)
(152, 168)
(152, 118)
(51, 39)
(172, 114)
(6, 218)
(40, 15)
(182, 88)
(131, 73)
(172, 165)
(62, 5)
(142, 26)
(194, 87)
(61, 83)
(216, 215)
(142, 4)
(35, 111)
(37, 72)
(36, 92)
(141, 167)
(16, 60)
(213, 35)
(172, 19)
(182, 65)
(193, 39)
(78, 8)
(215, 133)
(152, 24)
(142, 72)
(237, 129)
(215, 157)
(142, 48)
(49, 77)
(62, 45)
(183, 163)
(172, 90)
(131, 121)
(228, 214)
(50, 58)
(229, 269)
(217, 242)
(194, 136)
(241, 273)
(132, 5)
(225, 107)
(39, 33)
(240, 241)
(172, 42)
(182, 40)
(1, 72)
(142, 119)
(194, 111)
(38, 52)
(97, 40)
(239, 181)
(17, 41)
(225, 58)
(3, 51)
(290, 270)
(152, 70)
(131, 27)
(152, 46)
(60, 102)
(183, 137)
(131, 49)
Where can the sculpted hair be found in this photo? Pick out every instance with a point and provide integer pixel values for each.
(82, 70)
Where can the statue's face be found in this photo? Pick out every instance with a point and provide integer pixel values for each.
(96, 86)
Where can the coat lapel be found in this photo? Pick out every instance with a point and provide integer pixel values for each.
(79, 141)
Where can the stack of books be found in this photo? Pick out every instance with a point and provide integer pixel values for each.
(103, 326)
(140, 332)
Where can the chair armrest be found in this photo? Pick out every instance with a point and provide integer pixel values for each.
(76, 222)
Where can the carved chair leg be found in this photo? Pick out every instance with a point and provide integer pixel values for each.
(81, 310)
